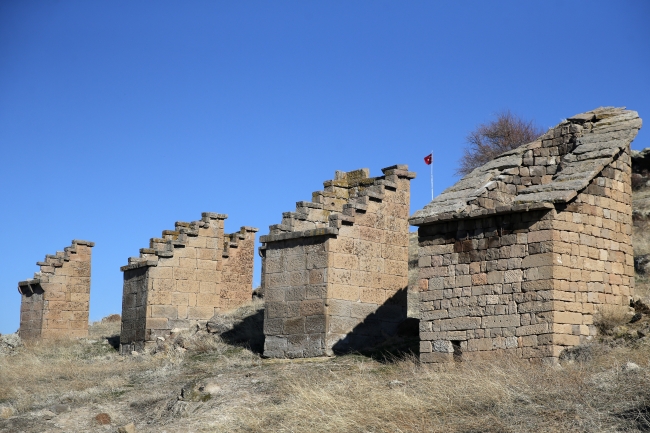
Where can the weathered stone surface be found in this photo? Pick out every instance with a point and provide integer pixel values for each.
(335, 271)
(520, 254)
(184, 278)
(572, 154)
(55, 303)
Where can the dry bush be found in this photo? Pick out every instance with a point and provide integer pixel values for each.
(104, 329)
(642, 287)
(639, 181)
(641, 238)
(489, 140)
(609, 317)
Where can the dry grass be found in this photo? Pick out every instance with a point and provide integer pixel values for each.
(64, 371)
(509, 396)
(230, 388)
(641, 238)
(609, 317)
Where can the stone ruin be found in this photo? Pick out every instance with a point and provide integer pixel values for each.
(55, 302)
(521, 254)
(184, 278)
(335, 271)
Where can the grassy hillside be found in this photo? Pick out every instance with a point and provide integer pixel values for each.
(197, 382)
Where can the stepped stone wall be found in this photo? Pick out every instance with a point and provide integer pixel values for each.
(522, 254)
(335, 271)
(184, 278)
(55, 302)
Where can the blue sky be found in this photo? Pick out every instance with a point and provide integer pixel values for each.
(119, 118)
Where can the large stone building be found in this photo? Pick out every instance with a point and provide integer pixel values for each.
(184, 278)
(521, 254)
(335, 271)
(55, 302)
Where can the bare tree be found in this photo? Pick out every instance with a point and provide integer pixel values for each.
(491, 139)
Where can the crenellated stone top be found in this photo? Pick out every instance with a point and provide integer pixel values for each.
(49, 265)
(178, 238)
(343, 196)
(552, 169)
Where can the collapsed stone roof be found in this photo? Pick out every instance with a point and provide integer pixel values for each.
(551, 170)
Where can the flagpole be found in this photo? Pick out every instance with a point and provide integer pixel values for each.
(431, 165)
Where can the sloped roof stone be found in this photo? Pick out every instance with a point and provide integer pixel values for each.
(552, 169)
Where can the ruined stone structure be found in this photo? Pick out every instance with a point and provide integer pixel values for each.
(335, 271)
(520, 254)
(55, 302)
(413, 298)
(184, 278)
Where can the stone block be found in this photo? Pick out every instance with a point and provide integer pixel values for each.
(157, 323)
(200, 313)
(460, 323)
(315, 324)
(294, 325)
(163, 311)
(362, 310)
(337, 307)
(312, 307)
(341, 325)
(503, 321)
(273, 326)
(436, 357)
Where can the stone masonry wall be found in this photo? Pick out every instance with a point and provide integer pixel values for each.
(527, 282)
(237, 275)
(184, 278)
(531, 278)
(592, 242)
(55, 303)
(335, 272)
(475, 297)
(413, 309)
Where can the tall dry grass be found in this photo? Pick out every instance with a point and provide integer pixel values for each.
(44, 373)
(352, 393)
(505, 396)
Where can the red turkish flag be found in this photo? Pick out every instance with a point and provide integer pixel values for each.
(428, 159)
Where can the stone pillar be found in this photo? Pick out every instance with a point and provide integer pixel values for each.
(184, 278)
(55, 303)
(335, 272)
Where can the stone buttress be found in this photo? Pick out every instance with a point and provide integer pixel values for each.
(335, 271)
(55, 303)
(184, 278)
(524, 252)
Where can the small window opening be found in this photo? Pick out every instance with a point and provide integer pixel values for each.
(455, 344)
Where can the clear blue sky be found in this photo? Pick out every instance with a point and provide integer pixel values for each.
(119, 118)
